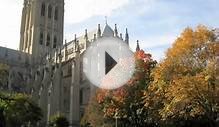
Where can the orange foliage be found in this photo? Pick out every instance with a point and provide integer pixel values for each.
(115, 100)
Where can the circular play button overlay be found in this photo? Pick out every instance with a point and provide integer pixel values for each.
(108, 63)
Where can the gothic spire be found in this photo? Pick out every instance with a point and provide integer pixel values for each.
(121, 36)
(126, 36)
(77, 46)
(106, 20)
(137, 47)
(75, 40)
(98, 31)
(115, 31)
(95, 37)
(85, 35)
(65, 42)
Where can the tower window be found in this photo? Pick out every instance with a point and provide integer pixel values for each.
(56, 13)
(69, 69)
(81, 96)
(48, 40)
(43, 8)
(54, 42)
(41, 38)
(50, 11)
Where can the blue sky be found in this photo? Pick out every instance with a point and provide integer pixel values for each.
(155, 23)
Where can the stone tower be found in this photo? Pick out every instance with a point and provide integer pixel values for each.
(41, 27)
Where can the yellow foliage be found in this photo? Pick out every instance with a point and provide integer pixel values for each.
(185, 81)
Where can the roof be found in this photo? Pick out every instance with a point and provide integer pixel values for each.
(108, 32)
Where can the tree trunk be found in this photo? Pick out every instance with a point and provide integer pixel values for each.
(2, 119)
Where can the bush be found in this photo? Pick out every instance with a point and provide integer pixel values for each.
(59, 121)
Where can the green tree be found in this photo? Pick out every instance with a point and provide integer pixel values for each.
(18, 109)
(3, 76)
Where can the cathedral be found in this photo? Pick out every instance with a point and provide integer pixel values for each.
(48, 69)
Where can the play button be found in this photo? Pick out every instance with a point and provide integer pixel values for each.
(108, 63)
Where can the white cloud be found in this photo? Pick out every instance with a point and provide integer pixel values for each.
(10, 13)
(77, 11)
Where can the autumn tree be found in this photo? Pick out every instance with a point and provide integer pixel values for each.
(94, 115)
(124, 103)
(185, 85)
(182, 90)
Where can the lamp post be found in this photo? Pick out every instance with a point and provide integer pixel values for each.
(116, 122)
(116, 117)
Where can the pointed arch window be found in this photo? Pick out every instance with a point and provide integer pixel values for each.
(81, 96)
(48, 40)
(56, 13)
(43, 9)
(41, 38)
(50, 11)
(55, 42)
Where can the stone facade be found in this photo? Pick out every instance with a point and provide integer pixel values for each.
(41, 27)
(50, 71)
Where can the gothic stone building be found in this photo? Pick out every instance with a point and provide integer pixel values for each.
(46, 68)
